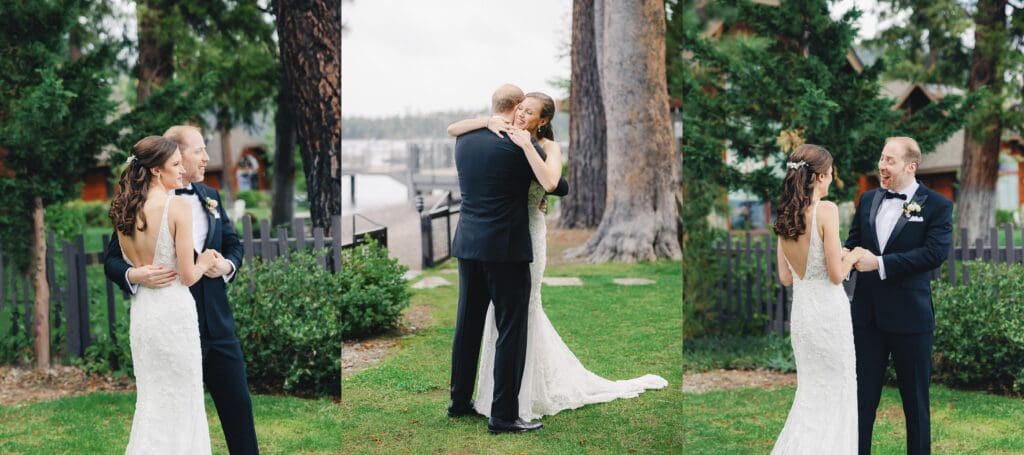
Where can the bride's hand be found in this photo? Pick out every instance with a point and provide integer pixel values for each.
(208, 258)
(859, 252)
(498, 125)
(520, 137)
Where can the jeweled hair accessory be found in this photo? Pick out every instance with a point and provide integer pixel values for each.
(130, 159)
(796, 164)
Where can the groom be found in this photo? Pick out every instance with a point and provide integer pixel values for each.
(908, 228)
(492, 244)
(223, 363)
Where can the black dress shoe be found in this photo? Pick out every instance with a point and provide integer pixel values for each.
(511, 426)
(463, 410)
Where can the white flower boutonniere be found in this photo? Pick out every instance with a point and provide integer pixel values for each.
(211, 206)
(911, 209)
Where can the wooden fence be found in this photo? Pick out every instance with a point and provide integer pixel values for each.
(750, 292)
(437, 229)
(68, 274)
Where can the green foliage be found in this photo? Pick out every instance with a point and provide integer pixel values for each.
(96, 359)
(53, 112)
(979, 331)
(738, 353)
(253, 198)
(927, 45)
(1004, 217)
(373, 292)
(288, 317)
(71, 218)
(231, 41)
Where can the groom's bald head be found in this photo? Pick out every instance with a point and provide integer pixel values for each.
(506, 98)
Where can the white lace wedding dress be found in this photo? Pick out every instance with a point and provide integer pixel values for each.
(823, 419)
(170, 414)
(553, 378)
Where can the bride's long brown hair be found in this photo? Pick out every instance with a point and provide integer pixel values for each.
(805, 164)
(126, 208)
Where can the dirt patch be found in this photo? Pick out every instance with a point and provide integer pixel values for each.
(26, 385)
(358, 355)
(560, 240)
(736, 379)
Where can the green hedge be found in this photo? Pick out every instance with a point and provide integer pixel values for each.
(373, 292)
(287, 315)
(70, 219)
(979, 332)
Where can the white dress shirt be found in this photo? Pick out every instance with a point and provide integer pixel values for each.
(889, 213)
(200, 227)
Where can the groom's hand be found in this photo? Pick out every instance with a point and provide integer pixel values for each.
(152, 276)
(220, 268)
(867, 263)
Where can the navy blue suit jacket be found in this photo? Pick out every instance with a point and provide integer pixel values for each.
(494, 179)
(902, 302)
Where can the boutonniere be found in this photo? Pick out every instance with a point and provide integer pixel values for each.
(211, 206)
(911, 209)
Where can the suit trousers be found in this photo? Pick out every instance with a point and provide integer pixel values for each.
(912, 356)
(507, 286)
(224, 376)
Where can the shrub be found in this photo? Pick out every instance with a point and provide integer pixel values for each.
(738, 353)
(373, 293)
(253, 198)
(288, 320)
(979, 332)
(1005, 217)
(70, 219)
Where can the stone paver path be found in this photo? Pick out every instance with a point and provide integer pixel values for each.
(562, 281)
(431, 282)
(632, 281)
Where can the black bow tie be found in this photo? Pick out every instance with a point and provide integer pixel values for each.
(181, 191)
(894, 195)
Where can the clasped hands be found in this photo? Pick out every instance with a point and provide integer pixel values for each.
(866, 261)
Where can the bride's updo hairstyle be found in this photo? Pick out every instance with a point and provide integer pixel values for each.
(547, 111)
(126, 208)
(804, 165)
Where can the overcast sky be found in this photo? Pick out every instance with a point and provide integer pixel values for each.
(411, 56)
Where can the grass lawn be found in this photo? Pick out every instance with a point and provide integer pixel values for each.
(100, 423)
(618, 332)
(748, 421)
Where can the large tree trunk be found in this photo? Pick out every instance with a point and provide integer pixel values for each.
(588, 157)
(41, 321)
(640, 220)
(310, 41)
(284, 156)
(975, 204)
(156, 51)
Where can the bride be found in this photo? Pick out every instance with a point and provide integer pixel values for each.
(823, 418)
(155, 228)
(553, 378)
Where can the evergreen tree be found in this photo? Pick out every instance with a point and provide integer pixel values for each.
(54, 105)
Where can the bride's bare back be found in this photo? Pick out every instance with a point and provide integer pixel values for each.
(140, 248)
(795, 252)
